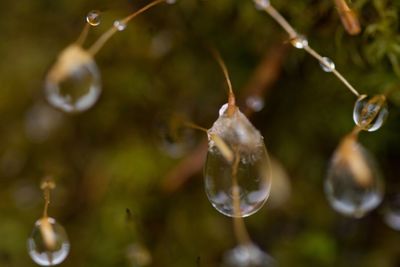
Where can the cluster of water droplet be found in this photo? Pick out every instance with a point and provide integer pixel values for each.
(353, 184)
(48, 243)
(370, 112)
(237, 163)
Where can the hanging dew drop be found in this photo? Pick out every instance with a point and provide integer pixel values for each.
(237, 171)
(353, 184)
(370, 112)
(48, 244)
(73, 83)
(94, 18)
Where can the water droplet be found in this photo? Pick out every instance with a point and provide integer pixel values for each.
(353, 184)
(392, 213)
(370, 112)
(48, 244)
(138, 255)
(237, 171)
(299, 42)
(170, 1)
(327, 64)
(248, 256)
(255, 103)
(73, 83)
(262, 4)
(120, 25)
(94, 17)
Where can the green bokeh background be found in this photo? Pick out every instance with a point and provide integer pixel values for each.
(110, 158)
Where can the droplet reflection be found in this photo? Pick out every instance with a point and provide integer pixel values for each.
(73, 83)
(48, 244)
(353, 184)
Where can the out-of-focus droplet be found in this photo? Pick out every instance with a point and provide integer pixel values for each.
(327, 64)
(300, 41)
(73, 83)
(173, 136)
(353, 184)
(281, 190)
(94, 18)
(161, 44)
(261, 4)
(392, 213)
(48, 244)
(41, 121)
(170, 1)
(248, 256)
(138, 255)
(237, 170)
(120, 25)
(370, 112)
(255, 103)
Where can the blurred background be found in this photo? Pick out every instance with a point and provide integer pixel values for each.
(131, 194)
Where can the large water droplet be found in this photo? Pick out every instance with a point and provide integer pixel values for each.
(94, 17)
(353, 184)
(237, 171)
(48, 244)
(248, 256)
(370, 112)
(73, 83)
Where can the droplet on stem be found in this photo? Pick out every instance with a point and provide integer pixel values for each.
(370, 112)
(300, 41)
(48, 244)
(73, 83)
(353, 184)
(94, 18)
(237, 142)
(120, 25)
(248, 255)
(327, 64)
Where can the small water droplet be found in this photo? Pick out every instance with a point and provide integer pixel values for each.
(170, 1)
(248, 256)
(94, 18)
(48, 244)
(237, 172)
(299, 42)
(262, 4)
(353, 184)
(255, 103)
(327, 64)
(120, 25)
(73, 83)
(370, 112)
(138, 255)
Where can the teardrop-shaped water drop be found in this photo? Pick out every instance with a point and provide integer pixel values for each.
(237, 171)
(48, 244)
(370, 112)
(353, 184)
(73, 83)
(248, 255)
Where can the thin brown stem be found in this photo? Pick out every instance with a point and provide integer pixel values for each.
(82, 37)
(281, 21)
(108, 34)
(318, 57)
(195, 126)
(231, 95)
